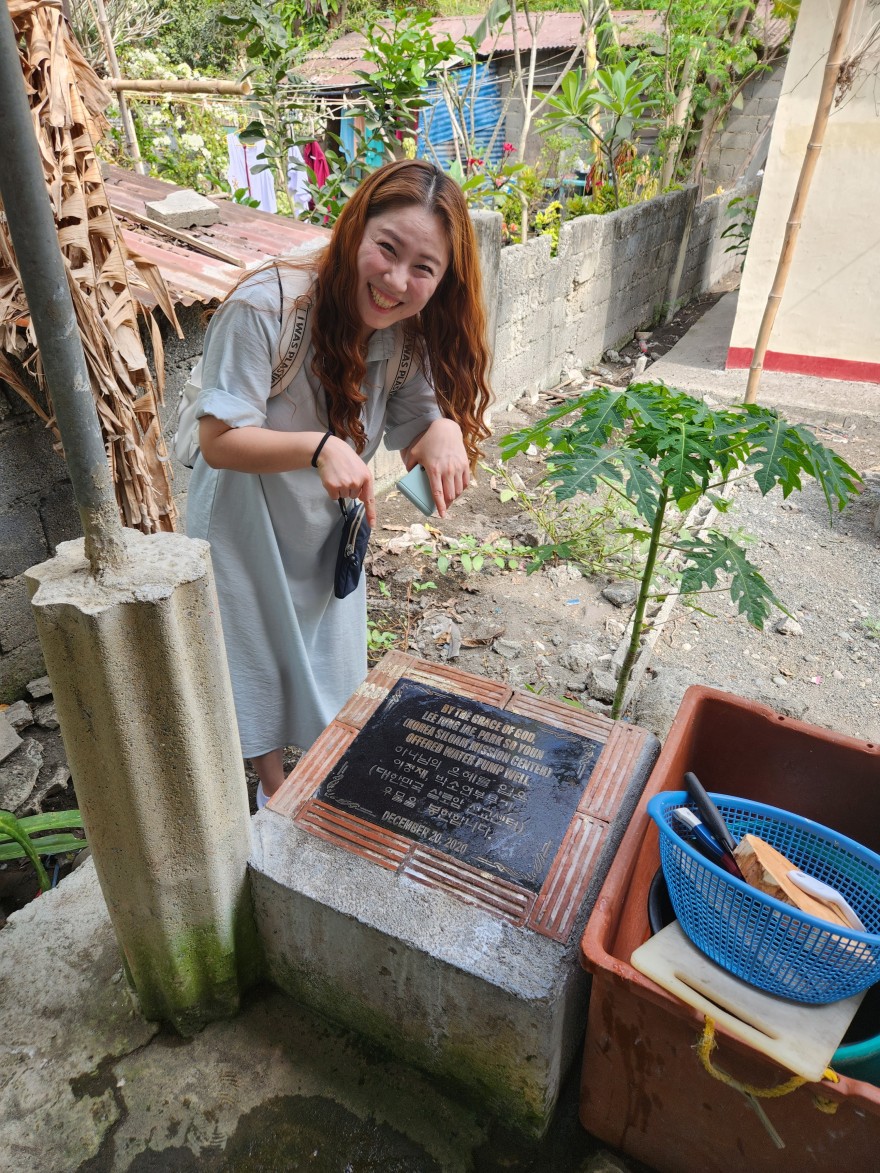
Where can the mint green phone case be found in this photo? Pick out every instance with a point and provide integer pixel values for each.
(416, 487)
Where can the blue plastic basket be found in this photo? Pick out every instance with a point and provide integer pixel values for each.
(765, 942)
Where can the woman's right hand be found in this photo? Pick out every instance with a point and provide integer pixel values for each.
(344, 474)
(262, 450)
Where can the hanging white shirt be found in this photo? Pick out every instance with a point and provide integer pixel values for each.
(242, 161)
(296, 180)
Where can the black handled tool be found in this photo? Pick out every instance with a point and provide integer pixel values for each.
(709, 811)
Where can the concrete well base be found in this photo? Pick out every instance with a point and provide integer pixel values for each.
(448, 976)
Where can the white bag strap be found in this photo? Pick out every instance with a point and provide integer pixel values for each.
(296, 335)
(400, 363)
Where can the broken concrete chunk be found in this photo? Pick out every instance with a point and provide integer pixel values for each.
(602, 685)
(53, 781)
(19, 715)
(45, 715)
(508, 648)
(18, 774)
(184, 209)
(9, 739)
(40, 688)
(621, 594)
(578, 657)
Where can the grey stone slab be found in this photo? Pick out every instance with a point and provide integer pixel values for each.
(40, 688)
(52, 781)
(45, 714)
(18, 774)
(19, 715)
(64, 1008)
(9, 739)
(184, 209)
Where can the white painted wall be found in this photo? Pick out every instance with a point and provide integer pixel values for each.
(827, 322)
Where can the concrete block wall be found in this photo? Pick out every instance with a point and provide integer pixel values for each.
(732, 148)
(610, 278)
(37, 511)
(707, 260)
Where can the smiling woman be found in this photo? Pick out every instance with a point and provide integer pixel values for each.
(400, 277)
(402, 259)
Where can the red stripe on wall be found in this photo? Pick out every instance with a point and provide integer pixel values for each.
(847, 369)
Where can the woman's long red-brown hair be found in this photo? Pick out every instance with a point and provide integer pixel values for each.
(451, 329)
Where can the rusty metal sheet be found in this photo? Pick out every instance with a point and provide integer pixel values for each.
(247, 234)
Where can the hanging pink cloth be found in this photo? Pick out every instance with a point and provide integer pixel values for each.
(314, 157)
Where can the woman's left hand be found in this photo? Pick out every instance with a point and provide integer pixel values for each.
(441, 452)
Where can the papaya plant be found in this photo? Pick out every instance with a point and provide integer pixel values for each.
(25, 838)
(660, 448)
(607, 108)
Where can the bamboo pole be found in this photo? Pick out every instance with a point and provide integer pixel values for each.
(131, 142)
(177, 85)
(833, 64)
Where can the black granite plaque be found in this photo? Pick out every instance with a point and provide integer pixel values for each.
(495, 789)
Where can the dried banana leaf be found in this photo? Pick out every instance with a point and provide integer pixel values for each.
(67, 103)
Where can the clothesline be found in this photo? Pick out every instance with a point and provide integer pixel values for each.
(247, 172)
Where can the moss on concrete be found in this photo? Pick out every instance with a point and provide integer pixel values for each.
(491, 1074)
(201, 977)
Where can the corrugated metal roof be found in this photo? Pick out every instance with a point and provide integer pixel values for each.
(248, 235)
(334, 67)
(772, 31)
(482, 112)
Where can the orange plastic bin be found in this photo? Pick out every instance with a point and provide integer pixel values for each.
(644, 1089)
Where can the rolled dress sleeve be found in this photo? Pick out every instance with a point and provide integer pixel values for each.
(410, 410)
(241, 339)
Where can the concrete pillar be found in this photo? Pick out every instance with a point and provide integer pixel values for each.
(141, 686)
(487, 227)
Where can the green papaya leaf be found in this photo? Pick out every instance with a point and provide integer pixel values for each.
(838, 479)
(719, 554)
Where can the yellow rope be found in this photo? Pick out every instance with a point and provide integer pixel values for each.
(707, 1045)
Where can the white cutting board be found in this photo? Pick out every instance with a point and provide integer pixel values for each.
(799, 1037)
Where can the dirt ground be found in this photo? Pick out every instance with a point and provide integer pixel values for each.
(556, 632)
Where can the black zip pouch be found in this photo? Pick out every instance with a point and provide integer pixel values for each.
(352, 548)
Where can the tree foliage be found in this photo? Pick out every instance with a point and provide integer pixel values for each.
(608, 107)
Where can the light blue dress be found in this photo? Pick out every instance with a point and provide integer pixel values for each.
(296, 652)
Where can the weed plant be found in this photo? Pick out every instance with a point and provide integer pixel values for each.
(593, 533)
(38, 835)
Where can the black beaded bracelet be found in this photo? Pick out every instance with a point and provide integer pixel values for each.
(317, 452)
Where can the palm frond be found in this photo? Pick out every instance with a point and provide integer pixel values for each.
(67, 103)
